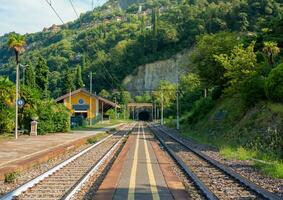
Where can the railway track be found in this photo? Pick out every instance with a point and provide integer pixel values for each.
(67, 178)
(215, 180)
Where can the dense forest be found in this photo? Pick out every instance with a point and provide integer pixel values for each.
(111, 42)
(234, 88)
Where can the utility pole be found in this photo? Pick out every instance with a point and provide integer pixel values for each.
(177, 102)
(24, 71)
(162, 108)
(125, 111)
(155, 117)
(115, 107)
(152, 111)
(102, 111)
(90, 99)
(17, 99)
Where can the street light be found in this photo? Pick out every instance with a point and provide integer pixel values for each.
(24, 70)
(177, 101)
(90, 98)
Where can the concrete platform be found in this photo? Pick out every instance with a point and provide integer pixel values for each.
(137, 173)
(27, 151)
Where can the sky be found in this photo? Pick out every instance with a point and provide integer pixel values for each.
(29, 16)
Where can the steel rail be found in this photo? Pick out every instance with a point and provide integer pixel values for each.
(200, 185)
(80, 184)
(244, 181)
(31, 183)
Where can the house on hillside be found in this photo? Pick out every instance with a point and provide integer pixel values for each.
(84, 105)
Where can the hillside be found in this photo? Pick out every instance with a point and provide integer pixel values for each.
(112, 42)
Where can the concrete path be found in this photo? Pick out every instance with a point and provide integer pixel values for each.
(28, 150)
(141, 176)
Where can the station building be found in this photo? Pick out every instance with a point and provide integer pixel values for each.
(85, 105)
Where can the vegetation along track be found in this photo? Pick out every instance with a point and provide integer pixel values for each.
(65, 179)
(213, 179)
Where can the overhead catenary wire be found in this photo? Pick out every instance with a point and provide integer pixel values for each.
(74, 8)
(50, 4)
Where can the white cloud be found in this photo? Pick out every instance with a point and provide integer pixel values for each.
(26, 16)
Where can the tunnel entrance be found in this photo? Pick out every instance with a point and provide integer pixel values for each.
(144, 116)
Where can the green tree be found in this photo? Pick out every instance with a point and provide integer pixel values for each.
(126, 97)
(69, 81)
(154, 22)
(42, 75)
(30, 75)
(138, 99)
(7, 98)
(17, 43)
(79, 80)
(239, 65)
(210, 71)
(274, 84)
(271, 50)
(104, 93)
(166, 91)
(146, 97)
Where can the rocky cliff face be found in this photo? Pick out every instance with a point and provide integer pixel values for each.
(147, 77)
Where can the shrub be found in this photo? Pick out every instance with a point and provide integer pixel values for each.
(7, 124)
(11, 177)
(216, 92)
(52, 118)
(274, 84)
(200, 108)
(252, 89)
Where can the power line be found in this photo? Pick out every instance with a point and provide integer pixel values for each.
(50, 4)
(74, 8)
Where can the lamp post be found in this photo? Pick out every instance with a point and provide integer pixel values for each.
(24, 70)
(162, 108)
(17, 99)
(90, 99)
(177, 102)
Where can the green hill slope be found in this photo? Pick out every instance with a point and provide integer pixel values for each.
(111, 42)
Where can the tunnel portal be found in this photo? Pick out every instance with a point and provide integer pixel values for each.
(144, 115)
(141, 111)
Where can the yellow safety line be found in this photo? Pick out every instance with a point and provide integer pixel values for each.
(152, 181)
(132, 185)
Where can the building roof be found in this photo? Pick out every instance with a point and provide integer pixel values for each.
(139, 105)
(88, 93)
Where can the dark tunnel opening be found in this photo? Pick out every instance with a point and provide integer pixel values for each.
(144, 116)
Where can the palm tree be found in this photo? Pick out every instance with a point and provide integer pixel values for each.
(271, 50)
(17, 43)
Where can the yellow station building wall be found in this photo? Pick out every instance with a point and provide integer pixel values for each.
(91, 112)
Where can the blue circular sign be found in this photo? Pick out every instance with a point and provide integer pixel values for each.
(81, 101)
(21, 102)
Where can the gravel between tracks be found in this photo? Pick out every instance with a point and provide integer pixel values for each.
(218, 182)
(35, 171)
(191, 189)
(56, 185)
(245, 168)
(90, 188)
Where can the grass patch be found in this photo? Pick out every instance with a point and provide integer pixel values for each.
(11, 177)
(273, 169)
(96, 138)
(6, 137)
(267, 164)
(99, 125)
(239, 153)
